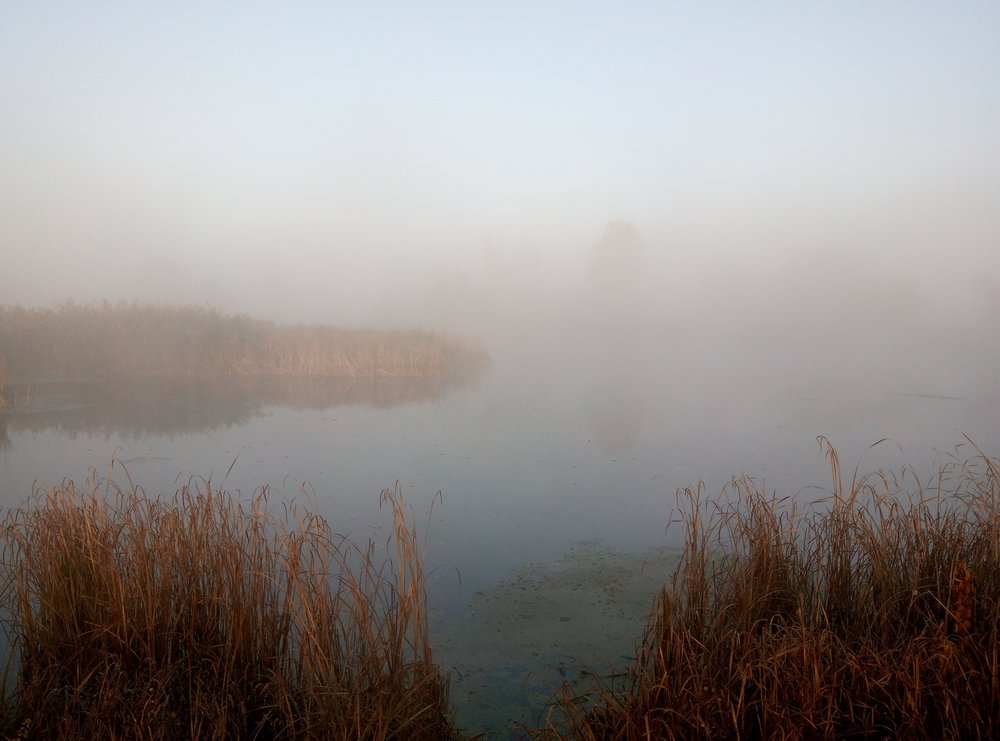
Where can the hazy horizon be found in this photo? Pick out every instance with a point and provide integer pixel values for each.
(451, 167)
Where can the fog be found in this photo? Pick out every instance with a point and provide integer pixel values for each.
(813, 183)
(692, 236)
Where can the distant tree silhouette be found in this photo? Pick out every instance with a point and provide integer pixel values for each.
(617, 261)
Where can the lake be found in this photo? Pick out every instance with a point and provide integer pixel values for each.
(557, 473)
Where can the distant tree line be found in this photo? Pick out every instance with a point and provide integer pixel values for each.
(77, 341)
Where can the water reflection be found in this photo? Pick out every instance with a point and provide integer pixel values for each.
(616, 418)
(617, 343)
(183, 406)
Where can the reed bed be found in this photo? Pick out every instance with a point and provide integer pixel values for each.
(873, 614)
(200, 616)
(74, 341)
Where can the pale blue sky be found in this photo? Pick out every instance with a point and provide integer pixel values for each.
(344, 149)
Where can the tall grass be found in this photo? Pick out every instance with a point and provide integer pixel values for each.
(142, 340)
(874, 614)
(199, 616)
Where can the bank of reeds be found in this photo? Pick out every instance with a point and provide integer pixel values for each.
(74, 341)
(875, 614)
(199, 616)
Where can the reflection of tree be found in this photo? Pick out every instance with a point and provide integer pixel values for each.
(615, 416)
(615, 336)
(4, 439)
(179, 406)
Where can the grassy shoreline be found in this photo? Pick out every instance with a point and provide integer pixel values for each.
(872, 613)
(136, 340)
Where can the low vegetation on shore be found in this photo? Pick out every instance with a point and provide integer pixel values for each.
(74, 341)
(871, 613)
(205, 617)
(874, 615)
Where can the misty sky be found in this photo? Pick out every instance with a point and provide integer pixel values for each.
(365, 162)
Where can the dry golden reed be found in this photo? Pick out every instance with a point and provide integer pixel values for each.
(204, 616)
(874, 614)
(143, 340)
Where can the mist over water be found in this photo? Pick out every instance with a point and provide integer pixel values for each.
(557, 465)
(613, 384)
(691, 241)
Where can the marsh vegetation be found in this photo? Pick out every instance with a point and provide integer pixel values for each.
(872, 612)
(207, 616)
(136, 340)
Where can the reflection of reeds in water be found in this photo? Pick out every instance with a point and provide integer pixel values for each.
(141, 340)
(876, 615)
(171, 406)
(201, 617)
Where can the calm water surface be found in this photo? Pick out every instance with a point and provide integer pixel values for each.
(544, 464)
